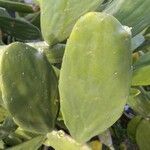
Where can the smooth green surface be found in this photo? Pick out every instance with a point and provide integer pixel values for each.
(3, 113)
(54, 54)
(140, 103)
(133, 13)
(16, 6)
(59, 16)
(95, 75)
(61, 141)
(132, 127)
(29, 87)
(143, 135)
(32, 144)
(141, 71)
(36, 20)
(19, 29)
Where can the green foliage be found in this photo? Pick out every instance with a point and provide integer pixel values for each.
(141, 71)
(21, 7)
(55, 54)
(24, 87)
(86, 47)
(134, 14)
(143, 134)
(32, 144)
(14, 28)
(90, 76)
(132, 127)
(141, 103)
(60, 141)
(7, 127)
(3, 113)
(57, 26)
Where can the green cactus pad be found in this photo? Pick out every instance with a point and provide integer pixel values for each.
(143, 135)
(95, 75)
(140, 103)
(132, 126)
(134, 14)
(59, 16)
(29, 88)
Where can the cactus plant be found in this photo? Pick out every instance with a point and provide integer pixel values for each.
(57, 26)
(94, 76)
(142, 135)
(66, 78)
(132, 17)
(26, 86)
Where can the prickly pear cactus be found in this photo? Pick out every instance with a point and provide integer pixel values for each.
(95, 75)
(131, 13)
(143, 135)
(132, 126)
(29, 88)
(59, 16)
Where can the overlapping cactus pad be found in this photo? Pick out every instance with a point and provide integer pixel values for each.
(74, 74)
(92, 69)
